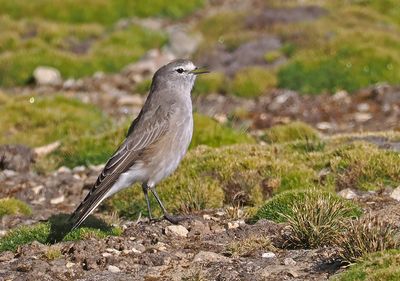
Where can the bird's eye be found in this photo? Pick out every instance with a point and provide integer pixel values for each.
(180, 70)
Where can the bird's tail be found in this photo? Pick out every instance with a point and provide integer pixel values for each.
(85, 209)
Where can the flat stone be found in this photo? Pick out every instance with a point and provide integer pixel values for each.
(57, 200)
(176, 230)
(289, 261)
(268, 255)
(113, 269)
(206, 257)
(46, 75)
(396, 193)
(347, 193)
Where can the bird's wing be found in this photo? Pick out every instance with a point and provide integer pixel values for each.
(144, 131)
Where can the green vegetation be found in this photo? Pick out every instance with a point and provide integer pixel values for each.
(99, 11)
(53, 253)
(53, 231)
(249, 245)
(213, 82)
(353, 45)
(76, 50)
(289, 205)
(36, 121)
(291, 132)
(379, 266)
(209, 132)
(253, 82)
(12, 206)
(367, 235)
(246, 175)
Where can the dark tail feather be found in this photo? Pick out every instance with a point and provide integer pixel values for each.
(85, 209)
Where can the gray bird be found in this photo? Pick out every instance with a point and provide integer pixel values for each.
(156, 141)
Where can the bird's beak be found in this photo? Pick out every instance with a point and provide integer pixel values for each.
(199, 70)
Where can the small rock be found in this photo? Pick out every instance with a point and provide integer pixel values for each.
(79, 169)
(37, 189)
(161, 246)
(113, 269)
(363, 107)
(64, 169)
(130, 100)
(396, 193)
(289, 261)
(347, 193)
(220, 213)
(46, 149)
(268, 255)
(57, 200)
(323, 126)
(206, 217)
(206, 257)
(176, 230)
(6, 256)
(232, 225)
(16, 157)
(46, 75)
(362, 117)
(106, 255)
(69, 264)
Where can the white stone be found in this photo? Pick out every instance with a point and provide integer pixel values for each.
(113, 269)
(347, 193)
(57, 200)
(46, 75)
(64, 169)
(69, 264)
(289, 261)
(206, 217)
(363, 107)
(106, 255)
(176, 230)
(130, 100)
(37, 189)
(324, 126)
(362, 117)
(396, 193)
(268, 255)
(232, 225)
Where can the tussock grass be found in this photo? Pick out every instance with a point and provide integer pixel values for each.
(318, 220)
(366, 235)
(12, 206)
(291, 132)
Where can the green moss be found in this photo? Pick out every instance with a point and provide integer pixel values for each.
(379, 266)
(76, 50)
(359, 51)
(12, 206)
(280, 207)
(291, 132)
(54, 231)
(246, 174)
(94, 10)
(253, 82)
(36, 121)
(272, 56)
(209, 132)
(213, 82)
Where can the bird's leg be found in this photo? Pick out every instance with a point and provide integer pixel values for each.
(167, 216)
(145, 191)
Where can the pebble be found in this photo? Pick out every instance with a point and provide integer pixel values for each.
(206, 217)
(347, 193)
(176, 230)
(113, 269)
(233, 225)
(268, 255)
(57, 200)
(289, 261)
(396, 193)
(69, 264)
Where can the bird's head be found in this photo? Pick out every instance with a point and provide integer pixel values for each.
(180, 73)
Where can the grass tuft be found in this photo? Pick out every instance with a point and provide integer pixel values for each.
(366, 235)
(12, 206)
(253, 82)
(291, 132)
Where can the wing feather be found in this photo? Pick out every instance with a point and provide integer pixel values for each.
(141, 134)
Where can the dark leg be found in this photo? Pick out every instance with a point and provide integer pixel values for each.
(145, 189)
(168, 217)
